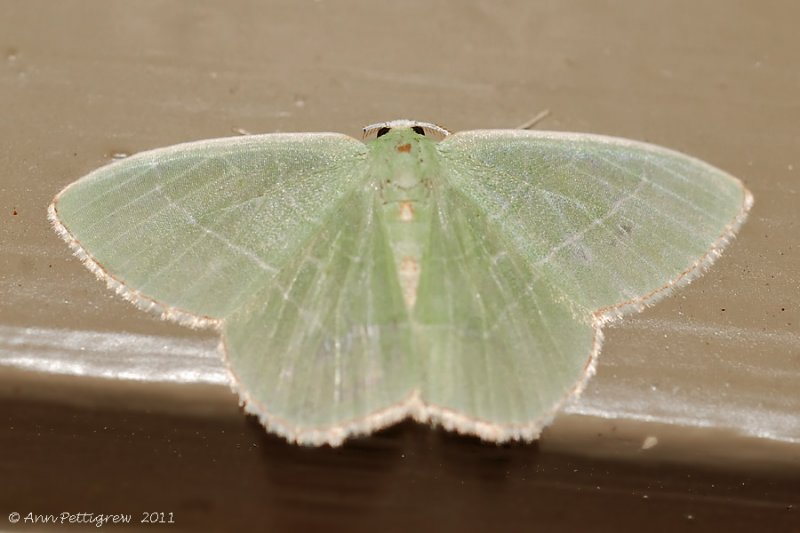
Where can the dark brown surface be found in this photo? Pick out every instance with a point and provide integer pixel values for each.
(80, 81)
(228, 475)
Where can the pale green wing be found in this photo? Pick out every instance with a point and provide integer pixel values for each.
(537, 239)
(193, 230)
(610, 223)
(502, 348)
(325, 350)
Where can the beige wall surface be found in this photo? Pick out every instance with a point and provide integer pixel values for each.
(108, 409)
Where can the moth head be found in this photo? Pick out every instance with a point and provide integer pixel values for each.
(424, 129)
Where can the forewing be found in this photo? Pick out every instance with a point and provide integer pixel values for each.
(194, 229)
(610, 223)
(324, 349)
(502, 347)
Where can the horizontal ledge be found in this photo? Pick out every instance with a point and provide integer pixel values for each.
(628, 417)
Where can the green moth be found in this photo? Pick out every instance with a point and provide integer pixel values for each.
(460, 279)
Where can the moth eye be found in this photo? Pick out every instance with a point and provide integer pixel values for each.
(383, 131)
(419, 129)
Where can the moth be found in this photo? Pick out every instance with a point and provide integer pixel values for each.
(459, 279)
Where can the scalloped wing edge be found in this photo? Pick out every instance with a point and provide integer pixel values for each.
(413, 407)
